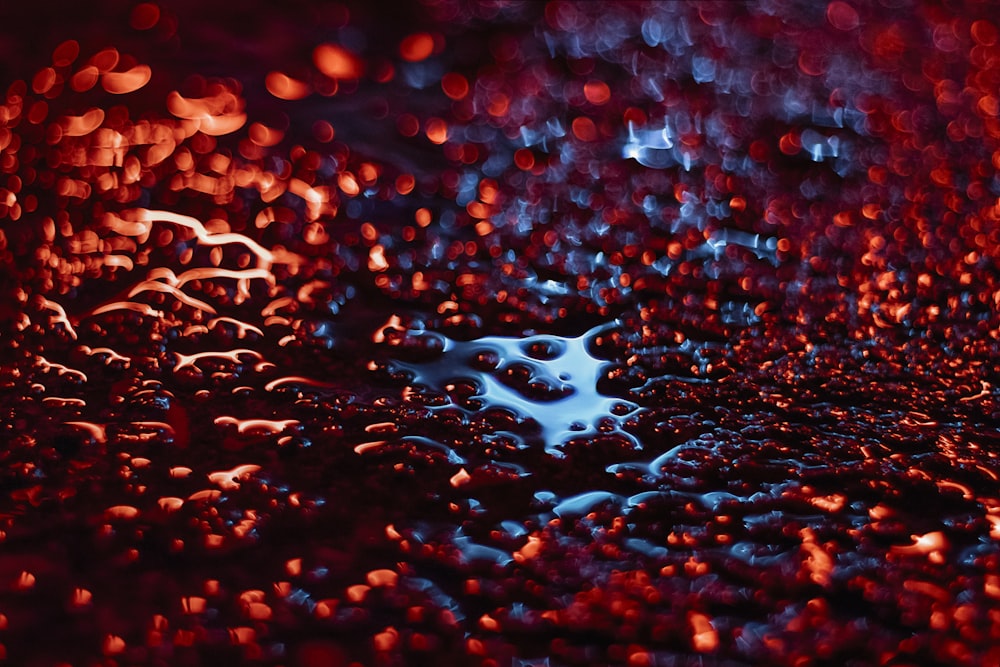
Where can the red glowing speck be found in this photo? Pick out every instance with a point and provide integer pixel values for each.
(357, 592)
(285, 87)
(640, 658)
(584, 129)
(405, 184)
(704, 637)
(323, 131)
(85, 79)
(145, 16)
(337, 62)
(637, 117)
(498, 105)
(78, 126)
(113, 645)
(891, 43)
(842, 16)
(984, 32)
(66, 53)
(170, 503)
(408, 125)
(376, 259)
(454, 85)
(81, 597)
(382, 578)
(524, 159)
(790, 144)
(562, 16)
(923, 545)
(348, 184)
(596, 92)
(387, 640)
(44, 80)
(265, 136)
(25, 581)
(38, 111)
(105, 60)
(417, 47)
(242, 635)
(119, 83)
(477, 210)
(812, 63)
(475, 647)
(258, 611)
(124, 512)
(436, 130)
(989, 105)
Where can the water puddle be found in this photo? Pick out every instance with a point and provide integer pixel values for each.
(550, 381)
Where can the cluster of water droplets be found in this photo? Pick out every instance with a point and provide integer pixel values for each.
(587, 333)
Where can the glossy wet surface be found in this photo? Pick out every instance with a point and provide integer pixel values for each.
(500, 333)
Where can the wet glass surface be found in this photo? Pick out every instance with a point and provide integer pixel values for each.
(499, 333)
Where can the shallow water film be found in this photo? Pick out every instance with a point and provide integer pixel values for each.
(500, 333)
